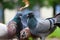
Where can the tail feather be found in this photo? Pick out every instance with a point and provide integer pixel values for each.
(58, 19)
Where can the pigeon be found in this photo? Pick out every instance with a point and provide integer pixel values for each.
(41, 27)
(14, 27)
(17, 20)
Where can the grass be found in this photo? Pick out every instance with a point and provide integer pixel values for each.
(56, 33)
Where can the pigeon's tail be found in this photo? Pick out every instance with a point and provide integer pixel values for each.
(57, 17)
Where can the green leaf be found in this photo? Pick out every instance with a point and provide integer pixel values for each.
(9, 5)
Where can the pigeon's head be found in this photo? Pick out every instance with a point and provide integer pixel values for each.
(17, 19)
(30, 15)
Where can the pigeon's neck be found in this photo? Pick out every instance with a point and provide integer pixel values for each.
(17, 19)
(32, 22)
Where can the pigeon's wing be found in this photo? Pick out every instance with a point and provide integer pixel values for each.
(43, 26)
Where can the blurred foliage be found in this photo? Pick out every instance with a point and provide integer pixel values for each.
(8, 4)
(11, 4)
(55, 34)
(53, 2)
(40, 2)
(32, 3)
